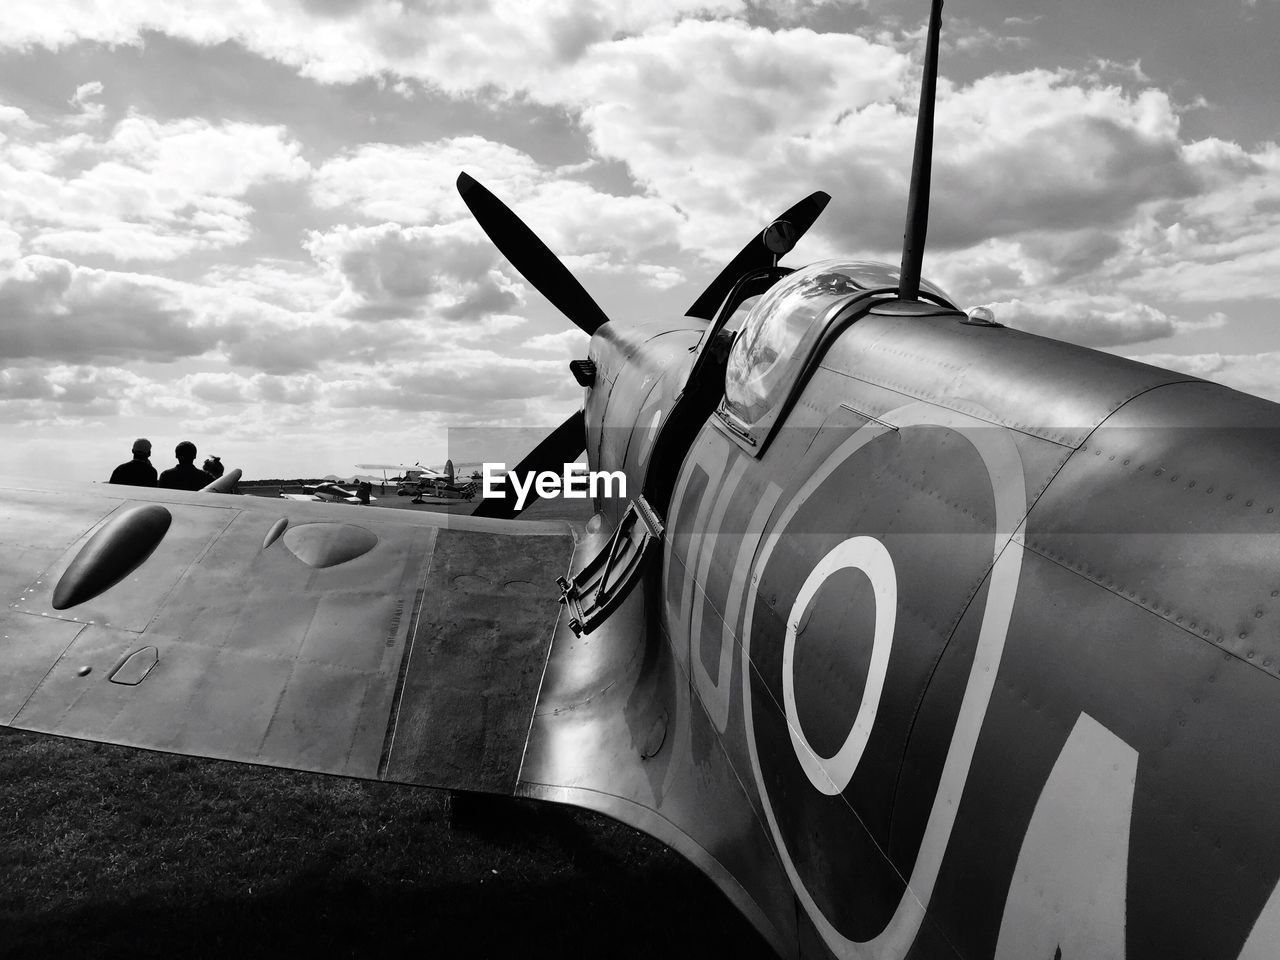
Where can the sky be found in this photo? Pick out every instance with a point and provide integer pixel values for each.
(236, 222)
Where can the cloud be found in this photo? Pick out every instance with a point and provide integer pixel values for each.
(1253, 373)
(57, 311)
(89, 112)
(798, 11)
(14, 119)
(283, 349)
(755, 99)
(148, 190)
(503, 41)
(1072, 201)
(481, 383)
(294, 286)
(29, 383)
(394, 272)
(416, 185)
(65, 392)
(570, 343)
(1088, 320)
(1224, 240)
(1014, 151)
(218, 388)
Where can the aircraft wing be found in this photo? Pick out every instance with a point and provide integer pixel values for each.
(396, 645)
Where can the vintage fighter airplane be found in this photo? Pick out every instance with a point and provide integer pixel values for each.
(921, 636)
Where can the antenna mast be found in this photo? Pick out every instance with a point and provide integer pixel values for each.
(921, 167)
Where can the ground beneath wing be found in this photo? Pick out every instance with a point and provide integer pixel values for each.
(388, 645)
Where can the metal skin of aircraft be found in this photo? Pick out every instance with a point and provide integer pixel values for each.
(922, 637)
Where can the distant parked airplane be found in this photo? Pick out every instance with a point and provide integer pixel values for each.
(418, 481)
(325, 493)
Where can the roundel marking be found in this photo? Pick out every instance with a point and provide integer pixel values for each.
(830, 775)
(1004, 466)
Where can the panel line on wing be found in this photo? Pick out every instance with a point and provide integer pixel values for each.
(415, 615)
(79, 629)
(542, 679)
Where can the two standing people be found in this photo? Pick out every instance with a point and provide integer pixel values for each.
(139, 472)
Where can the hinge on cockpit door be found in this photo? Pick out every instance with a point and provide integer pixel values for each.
(600, 586)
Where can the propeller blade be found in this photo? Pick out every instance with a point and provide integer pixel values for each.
(562, 445)
(757, 254)
(224, 484)
(531, 256)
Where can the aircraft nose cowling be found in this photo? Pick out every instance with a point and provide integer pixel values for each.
(111, 554)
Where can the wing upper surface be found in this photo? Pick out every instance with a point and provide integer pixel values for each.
(405, 646)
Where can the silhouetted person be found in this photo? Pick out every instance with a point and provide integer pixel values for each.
(137, 472)
(213, 467)
(363, 491)
(186, 475)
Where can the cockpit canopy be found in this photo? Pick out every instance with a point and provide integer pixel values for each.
(785, 326)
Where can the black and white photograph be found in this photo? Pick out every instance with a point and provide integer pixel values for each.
(543, 478)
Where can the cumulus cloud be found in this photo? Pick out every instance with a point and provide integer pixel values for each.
(29, 383)
(285, 349)
(1093, 321)
(503, 41)
(88, 111)
(14, 119)
(394, 272)
(1070, 200)
(416, 185)
(1014, 150)
(572, 343)
(1251, 372)
(65, 392)
(218, 388)
(147, 190)
(477, 382)
(57, 311)
(1224, 240)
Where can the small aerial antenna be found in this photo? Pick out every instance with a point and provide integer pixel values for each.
(921, 167)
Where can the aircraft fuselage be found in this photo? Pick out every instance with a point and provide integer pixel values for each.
(982, 629)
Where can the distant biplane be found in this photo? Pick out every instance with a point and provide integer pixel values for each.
(923, 637)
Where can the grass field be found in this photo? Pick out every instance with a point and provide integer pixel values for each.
(111, 852)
